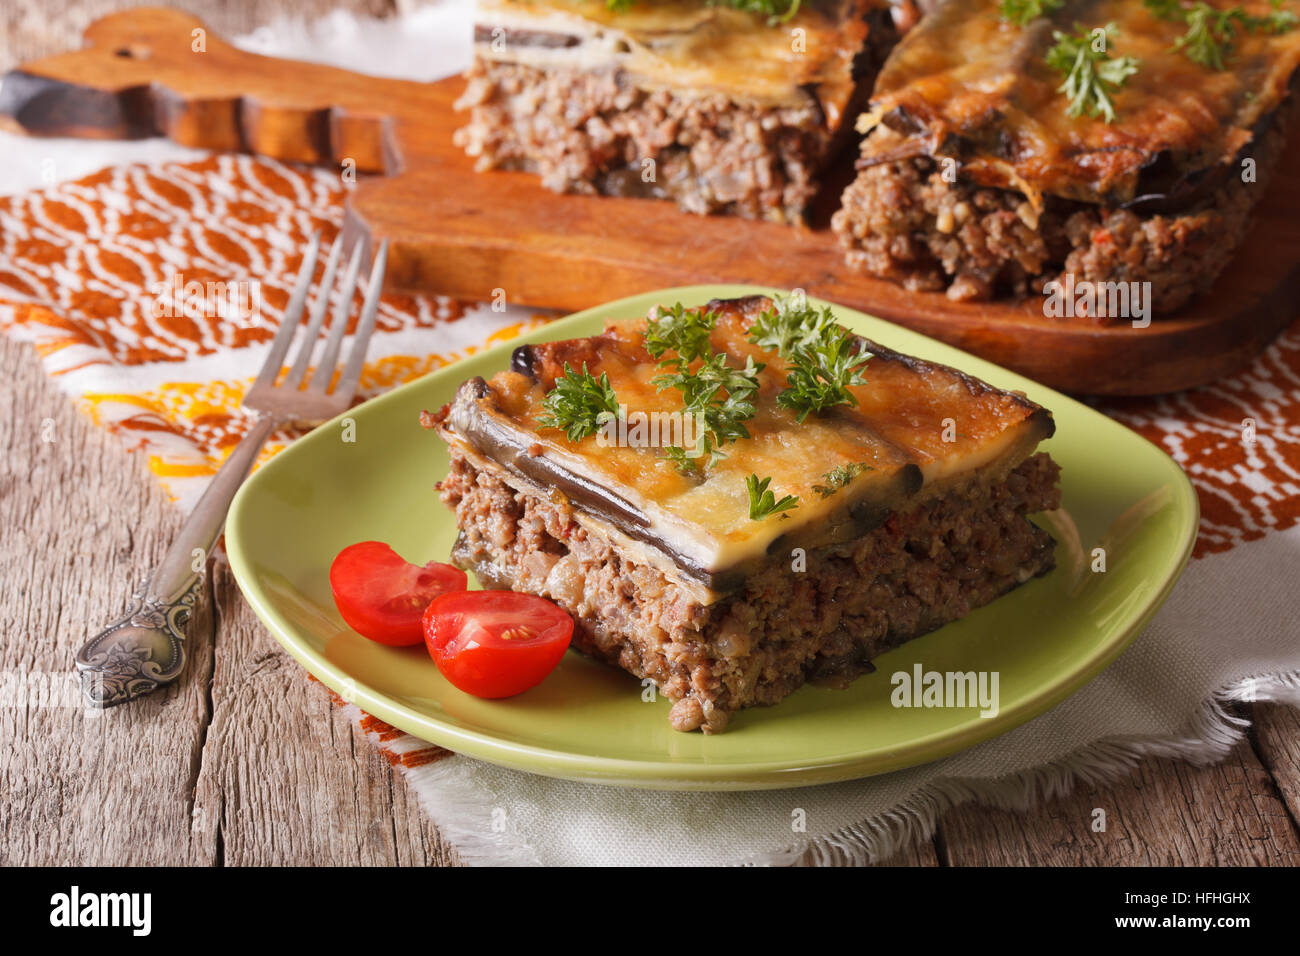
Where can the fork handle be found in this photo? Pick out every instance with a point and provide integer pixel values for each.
(146, 648)
(183, 565)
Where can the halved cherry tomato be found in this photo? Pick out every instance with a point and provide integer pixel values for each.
(383, 597)
(496, 643)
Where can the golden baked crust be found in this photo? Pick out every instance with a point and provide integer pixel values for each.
(967, 84)
(918, 428)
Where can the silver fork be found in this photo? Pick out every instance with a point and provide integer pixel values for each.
(146, 647)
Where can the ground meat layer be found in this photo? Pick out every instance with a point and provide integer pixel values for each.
(903, 221)
(594, 132)
(785, 627)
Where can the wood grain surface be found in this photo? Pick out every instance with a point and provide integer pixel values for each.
(467, 234)
(246, 761)
(243, 761)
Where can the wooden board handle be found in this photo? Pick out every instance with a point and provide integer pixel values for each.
(159, 72)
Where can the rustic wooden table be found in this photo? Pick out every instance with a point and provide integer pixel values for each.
(246, 761)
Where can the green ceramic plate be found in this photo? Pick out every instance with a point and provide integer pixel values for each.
(589, 722)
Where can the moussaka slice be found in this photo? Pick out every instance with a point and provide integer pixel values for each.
(719, 109)
(737, 499)
(1103, 141)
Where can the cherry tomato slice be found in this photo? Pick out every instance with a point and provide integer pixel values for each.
(496, 643)
(382, 596)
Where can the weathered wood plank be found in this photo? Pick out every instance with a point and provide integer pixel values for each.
(280, 776)
(1276, 736)
(285, 775)
(922, 854)
(1167, 813)
(83, 786)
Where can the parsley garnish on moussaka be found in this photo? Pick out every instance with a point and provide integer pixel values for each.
(837, 498)
(722, 107)
(1012, 143)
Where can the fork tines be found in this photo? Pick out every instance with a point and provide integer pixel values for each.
(266, 395)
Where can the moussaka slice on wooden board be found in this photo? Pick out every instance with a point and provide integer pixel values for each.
(718, 109)
(831, 500)
(1103, 141)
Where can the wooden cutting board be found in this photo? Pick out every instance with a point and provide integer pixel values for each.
(154, 71)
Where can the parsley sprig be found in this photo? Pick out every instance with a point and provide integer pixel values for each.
(1278, 20)
(675, 329)
(839, 476)
(822, 363)
(1209, 35)
(1022, 12)
(1091, 75)
(579, 404)
(762, 502)
(720, 396)
(1210, 30)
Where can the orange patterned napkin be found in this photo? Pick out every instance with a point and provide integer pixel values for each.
(152, 293)
(1238, 440)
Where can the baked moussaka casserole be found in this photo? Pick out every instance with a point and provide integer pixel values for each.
(718, 108)
(1016, 142)
(736, 499)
